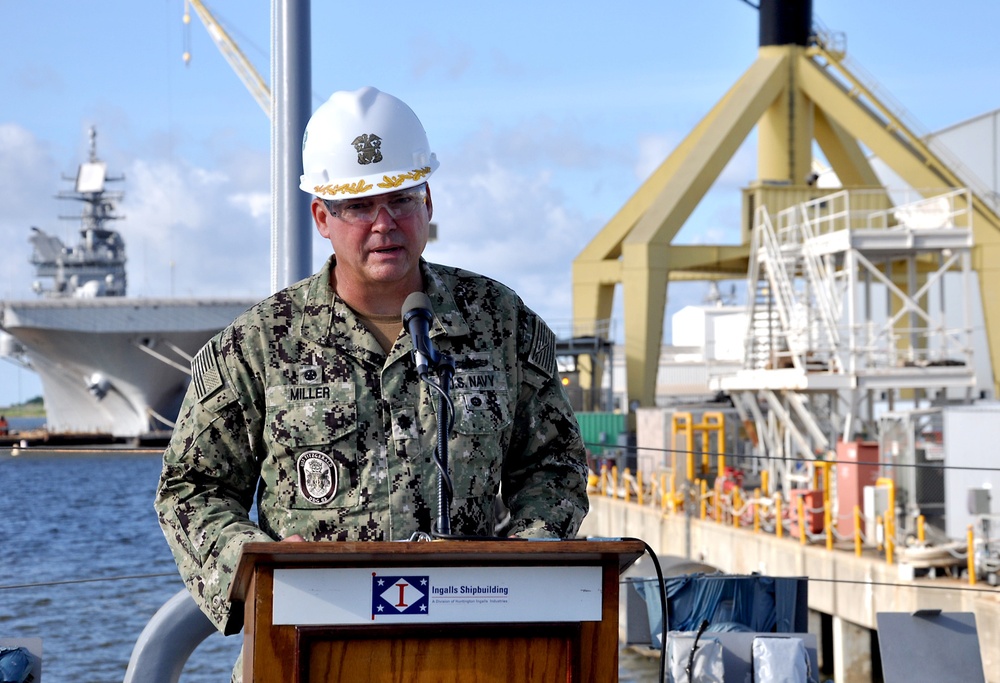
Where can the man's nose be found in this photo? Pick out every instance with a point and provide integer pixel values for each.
(383, 219)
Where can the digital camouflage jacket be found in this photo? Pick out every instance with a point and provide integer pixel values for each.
(297, 402)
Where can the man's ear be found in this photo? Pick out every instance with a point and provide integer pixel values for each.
(321, 216)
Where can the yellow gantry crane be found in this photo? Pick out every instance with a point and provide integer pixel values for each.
(227, 46)
(797, 92)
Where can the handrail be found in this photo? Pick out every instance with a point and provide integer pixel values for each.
(759, 512)
(167, 641)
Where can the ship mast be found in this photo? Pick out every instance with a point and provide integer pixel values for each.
(95, 266)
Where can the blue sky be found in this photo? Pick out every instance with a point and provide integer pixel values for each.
(546, 117)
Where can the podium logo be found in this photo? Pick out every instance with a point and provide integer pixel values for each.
(392, 595)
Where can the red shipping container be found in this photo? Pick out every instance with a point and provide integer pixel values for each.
(857, 467)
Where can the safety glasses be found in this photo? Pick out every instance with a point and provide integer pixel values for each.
(399, 204)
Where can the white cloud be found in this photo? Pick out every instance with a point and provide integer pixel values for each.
(256, 204)
(513, 227)
(195, 232)
(29, 177)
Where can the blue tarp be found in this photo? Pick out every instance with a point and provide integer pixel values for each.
(15, 664)
(761, 604)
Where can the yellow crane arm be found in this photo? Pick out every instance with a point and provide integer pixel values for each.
(241, 65)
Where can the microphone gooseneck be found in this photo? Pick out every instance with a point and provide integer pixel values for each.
(417, 318)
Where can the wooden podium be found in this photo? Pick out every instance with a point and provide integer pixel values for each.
(441, 611)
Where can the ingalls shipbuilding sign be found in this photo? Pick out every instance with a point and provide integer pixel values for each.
(341, 596)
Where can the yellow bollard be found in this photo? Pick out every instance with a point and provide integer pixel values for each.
(971, 555)
(764, 483)
(663, 492)
(638, 484)
(779, 528)
(614, 481)
(857, 530)
(626, 475)
(802, 519)
(890, 513)
(920, 528)
(823, 470)
(756, 511)
(717, 502)
(690, 465)
(704, 499)
(737, 502)
(828, 524)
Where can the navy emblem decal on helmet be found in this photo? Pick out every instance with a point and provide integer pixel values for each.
(368, 148)
(317, 477)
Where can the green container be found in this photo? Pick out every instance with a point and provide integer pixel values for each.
(600, 430)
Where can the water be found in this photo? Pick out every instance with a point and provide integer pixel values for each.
(73, 514)
(17, 424)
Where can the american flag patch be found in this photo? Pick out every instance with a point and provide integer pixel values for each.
(543, 348)
(205, 377)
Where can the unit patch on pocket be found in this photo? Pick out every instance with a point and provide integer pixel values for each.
(317, 477)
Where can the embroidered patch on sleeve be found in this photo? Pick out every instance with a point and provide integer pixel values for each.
(543, 348)
(205, 377)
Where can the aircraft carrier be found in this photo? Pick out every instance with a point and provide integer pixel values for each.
(111, 366)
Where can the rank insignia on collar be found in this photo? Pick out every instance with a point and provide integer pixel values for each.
(310, 374)
(367, 147)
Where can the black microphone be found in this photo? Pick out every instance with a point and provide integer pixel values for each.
(417, 319)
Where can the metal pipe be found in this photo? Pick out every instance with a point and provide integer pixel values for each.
(291, 87)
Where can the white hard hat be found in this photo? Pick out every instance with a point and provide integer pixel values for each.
(361, 143)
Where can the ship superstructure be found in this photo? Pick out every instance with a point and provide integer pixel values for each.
(96, 265)
(109, 364)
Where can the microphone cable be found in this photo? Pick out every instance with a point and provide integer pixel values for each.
(663, 603)
(694, 648)
(446, 420)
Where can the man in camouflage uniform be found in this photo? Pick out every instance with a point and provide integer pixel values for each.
(312, 400)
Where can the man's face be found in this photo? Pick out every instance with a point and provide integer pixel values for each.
(374, 248)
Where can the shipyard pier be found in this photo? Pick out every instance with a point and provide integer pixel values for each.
(846, 592)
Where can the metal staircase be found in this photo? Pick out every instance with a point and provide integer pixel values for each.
(819, 352)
